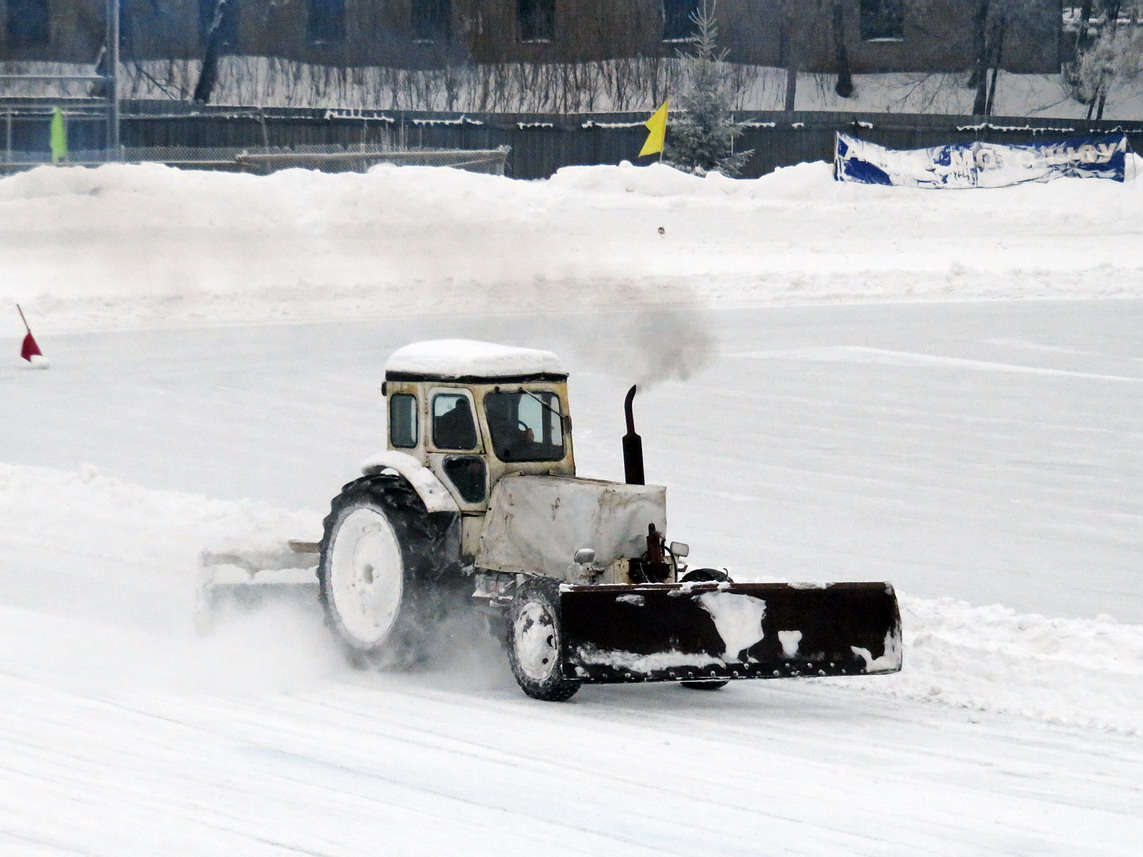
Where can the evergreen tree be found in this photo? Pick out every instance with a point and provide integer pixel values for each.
(702, 131)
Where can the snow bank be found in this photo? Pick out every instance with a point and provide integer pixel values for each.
(146, 245)
(1070, 672)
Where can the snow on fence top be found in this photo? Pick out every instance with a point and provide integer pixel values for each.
(467, 358)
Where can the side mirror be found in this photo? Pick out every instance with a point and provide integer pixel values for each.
(680, 549)
(583, 556)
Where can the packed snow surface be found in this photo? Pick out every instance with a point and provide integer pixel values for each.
(936, 389)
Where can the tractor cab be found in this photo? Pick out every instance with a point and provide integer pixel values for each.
(475, 412)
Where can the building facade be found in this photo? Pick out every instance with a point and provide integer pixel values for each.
(877, 35)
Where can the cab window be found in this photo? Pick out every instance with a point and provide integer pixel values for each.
(453, 425)
(526, 425)
(403, 431)
(469, 474)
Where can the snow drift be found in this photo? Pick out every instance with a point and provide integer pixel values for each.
(149, 245)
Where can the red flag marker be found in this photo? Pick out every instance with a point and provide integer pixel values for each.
(30, 349)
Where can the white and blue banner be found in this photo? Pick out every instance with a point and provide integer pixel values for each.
(980, 164)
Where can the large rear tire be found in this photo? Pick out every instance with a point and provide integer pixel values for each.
(380, 573)
(534, 641)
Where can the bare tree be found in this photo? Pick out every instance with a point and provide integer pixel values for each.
(791, 14)
(1109, 51)
(216, 38)
(844, 85)
(1083, 18)
(797, 35)
(994, 26)
(993, 22)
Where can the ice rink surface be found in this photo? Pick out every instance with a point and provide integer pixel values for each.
(981, 456)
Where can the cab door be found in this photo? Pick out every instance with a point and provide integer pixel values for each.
(455, 448)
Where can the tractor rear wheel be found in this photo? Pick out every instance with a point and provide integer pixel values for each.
(379, 572)
(534, 641)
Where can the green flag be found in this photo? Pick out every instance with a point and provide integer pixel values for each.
(59, 137)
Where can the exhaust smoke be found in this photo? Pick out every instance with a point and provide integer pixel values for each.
(670, 346)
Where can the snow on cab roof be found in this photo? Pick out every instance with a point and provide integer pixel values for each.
(468, 358)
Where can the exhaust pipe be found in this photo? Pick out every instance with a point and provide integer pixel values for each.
(632, 446)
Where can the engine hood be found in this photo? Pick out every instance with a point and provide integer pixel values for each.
(537, 523)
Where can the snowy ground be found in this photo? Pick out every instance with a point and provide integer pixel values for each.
(940, 389)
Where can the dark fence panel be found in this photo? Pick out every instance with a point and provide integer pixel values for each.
(25, 123)
(541, 144)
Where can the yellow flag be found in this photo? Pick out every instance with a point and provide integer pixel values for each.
(657, 126)
(58, 137)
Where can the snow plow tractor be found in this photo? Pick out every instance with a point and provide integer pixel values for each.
(476, 499)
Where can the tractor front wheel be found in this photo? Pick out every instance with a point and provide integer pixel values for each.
(534, 641)
(705, 575)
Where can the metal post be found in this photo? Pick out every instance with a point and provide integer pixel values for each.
(113, 79)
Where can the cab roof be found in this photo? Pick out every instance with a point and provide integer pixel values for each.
(471, 360)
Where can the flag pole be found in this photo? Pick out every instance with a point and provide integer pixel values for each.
(30, 349)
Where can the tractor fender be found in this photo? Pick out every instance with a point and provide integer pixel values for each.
(428, 487)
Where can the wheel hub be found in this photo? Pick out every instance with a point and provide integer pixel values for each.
(367, 575)
(537, 641)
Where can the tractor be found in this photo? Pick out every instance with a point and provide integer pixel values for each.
(476, 501)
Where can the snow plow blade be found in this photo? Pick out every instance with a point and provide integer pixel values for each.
(714, 631)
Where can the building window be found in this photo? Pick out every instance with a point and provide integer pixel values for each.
(882, 20)
(679, 20)
(326, 21)
(537, 20)
(432, 20)
(29, 23)
(227, 12)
